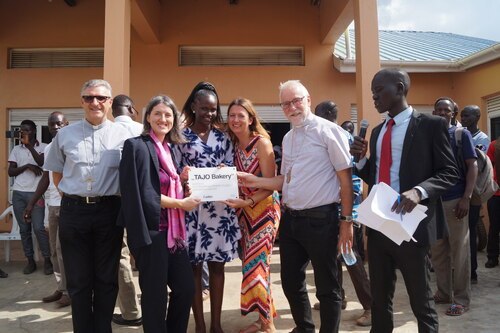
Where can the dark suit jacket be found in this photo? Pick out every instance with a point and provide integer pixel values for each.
(427, 161)
(140, 191)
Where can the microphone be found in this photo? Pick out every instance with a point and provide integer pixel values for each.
(362, 133)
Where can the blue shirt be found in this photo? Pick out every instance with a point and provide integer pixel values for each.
(468, 152)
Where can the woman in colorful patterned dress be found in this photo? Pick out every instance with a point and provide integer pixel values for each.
(212, 229)
(258, 213)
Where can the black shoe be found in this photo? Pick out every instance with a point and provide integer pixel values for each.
(52, 298)
(30, 267)
(47, 267)
(473, 280)
(491, 263)
(3, 275)
(119, 320)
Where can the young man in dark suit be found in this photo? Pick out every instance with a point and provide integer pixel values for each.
(410, 152)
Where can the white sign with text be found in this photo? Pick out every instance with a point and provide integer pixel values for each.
(213, 184)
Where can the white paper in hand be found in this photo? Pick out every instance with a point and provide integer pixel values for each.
(375, 212)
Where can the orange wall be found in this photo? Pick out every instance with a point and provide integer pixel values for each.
(154, 68)
(476, 85)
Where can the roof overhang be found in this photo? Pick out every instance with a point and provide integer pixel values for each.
(489, 54)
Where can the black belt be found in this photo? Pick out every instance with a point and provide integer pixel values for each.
(90, 200)
(319, 212)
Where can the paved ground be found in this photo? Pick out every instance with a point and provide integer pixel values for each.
(22, 311)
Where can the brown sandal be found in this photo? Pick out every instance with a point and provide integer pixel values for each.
(456, 310)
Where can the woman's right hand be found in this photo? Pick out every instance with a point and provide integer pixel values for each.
(185, 173)
(189, 203)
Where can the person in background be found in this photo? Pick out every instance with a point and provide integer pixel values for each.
(152, 211)
(125, 114)
(56, 121)
(411, 153)
(258, 213)
(470, 117)
(451, 254)
(84, 158)
(493, 248)
(25, 162)
(348, 126)
(357, 272)
(212, 228)
(315, 177)
(357, 187)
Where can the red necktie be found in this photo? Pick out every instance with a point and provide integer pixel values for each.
(384, 174)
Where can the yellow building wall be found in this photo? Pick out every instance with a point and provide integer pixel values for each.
(154, 67)
(476, 85)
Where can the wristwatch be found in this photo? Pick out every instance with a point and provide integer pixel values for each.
(346, 218)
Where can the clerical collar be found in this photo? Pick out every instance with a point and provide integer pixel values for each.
(96, 127)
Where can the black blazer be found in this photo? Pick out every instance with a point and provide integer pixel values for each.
(140, 190)
(427, 161)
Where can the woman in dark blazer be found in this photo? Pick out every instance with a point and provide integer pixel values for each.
(152, 211)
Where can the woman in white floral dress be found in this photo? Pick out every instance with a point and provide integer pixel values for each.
(212, 229)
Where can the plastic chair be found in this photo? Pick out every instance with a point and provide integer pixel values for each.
(14, 234)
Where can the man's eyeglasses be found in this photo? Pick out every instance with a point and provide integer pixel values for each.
(130, 108)
(296, 102)
(90, 99)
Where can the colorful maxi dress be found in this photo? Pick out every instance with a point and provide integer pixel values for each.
(258, 225)
(212, 228)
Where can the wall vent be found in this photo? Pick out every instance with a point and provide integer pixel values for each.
(56, 57)
(241, 56)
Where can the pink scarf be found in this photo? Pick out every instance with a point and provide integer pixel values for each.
(176, 234)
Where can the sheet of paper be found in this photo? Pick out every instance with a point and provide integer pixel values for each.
(375, 212)
(213, 184)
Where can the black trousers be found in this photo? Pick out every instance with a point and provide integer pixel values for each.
(383, 257)
(311, 237)
(91, 246)
(158, 267)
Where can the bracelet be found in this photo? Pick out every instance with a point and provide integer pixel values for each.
(253, 201)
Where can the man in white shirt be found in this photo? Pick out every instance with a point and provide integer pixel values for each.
(125, 115)
(25, 161)
(315, 177)
(470, 117)
(46, 185)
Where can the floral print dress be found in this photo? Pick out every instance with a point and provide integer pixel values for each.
(212, 228)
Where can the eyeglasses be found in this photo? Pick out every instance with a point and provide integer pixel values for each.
(130, 108)
(90, 99)
(296, 102)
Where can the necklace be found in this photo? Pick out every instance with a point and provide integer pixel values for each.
(297, 153)
(202, 135)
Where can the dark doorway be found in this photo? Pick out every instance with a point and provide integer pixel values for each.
(495, 128)
(277, 132)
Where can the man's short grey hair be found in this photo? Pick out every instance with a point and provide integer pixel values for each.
(292, 83)
(96, 83)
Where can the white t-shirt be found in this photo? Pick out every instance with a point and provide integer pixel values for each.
(26, 181)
